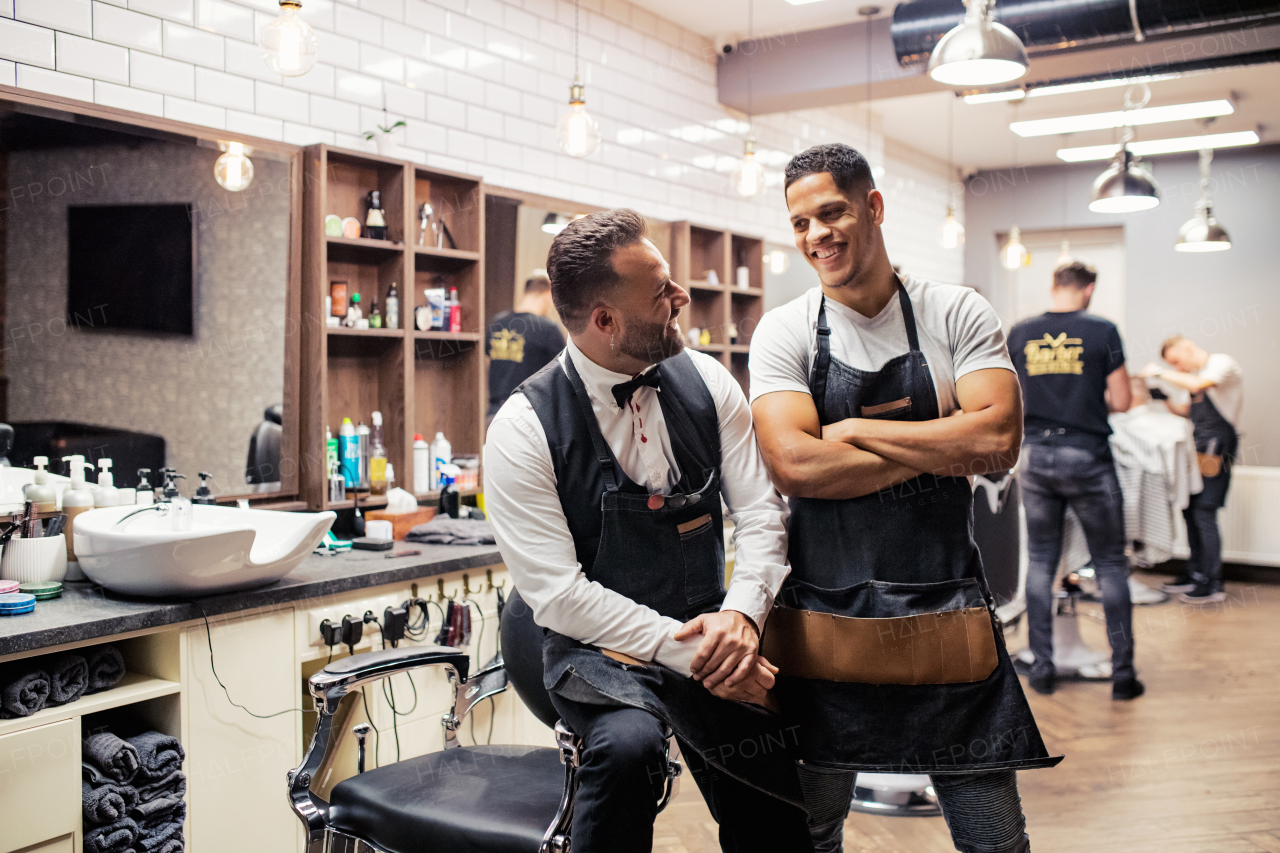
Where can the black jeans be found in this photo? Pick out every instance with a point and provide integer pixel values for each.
(1206, 543)
(1054, 477)
(982, 810)
(620, 781)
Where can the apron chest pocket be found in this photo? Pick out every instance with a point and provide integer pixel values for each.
(702, 549)
(888, 410)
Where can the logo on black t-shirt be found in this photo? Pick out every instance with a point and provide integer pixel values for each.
(506, 345)
(1050, 355)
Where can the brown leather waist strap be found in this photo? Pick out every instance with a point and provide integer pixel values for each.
(951, 647)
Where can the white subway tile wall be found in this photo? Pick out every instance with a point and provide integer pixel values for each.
(480, 85)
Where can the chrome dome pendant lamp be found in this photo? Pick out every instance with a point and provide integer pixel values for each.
(1125, 186)
(1202, 233)
(978, 51)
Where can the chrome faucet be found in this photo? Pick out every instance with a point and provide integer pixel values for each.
(162, 508)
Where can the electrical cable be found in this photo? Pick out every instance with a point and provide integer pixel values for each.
(209, 636)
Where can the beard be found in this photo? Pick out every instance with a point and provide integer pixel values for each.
(650, 342)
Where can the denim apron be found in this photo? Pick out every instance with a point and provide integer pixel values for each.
(904, 551)
(1215, 436)
(669, 558)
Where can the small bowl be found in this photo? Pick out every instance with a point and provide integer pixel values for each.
(35, 560)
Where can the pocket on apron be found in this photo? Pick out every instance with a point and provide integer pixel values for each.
(702, 548)
(884, 633)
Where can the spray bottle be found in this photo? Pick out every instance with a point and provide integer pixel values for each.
(40, 493)
(362, 444)
(377, 458)
(441, 455)
(106, 493)
(76, 499)
(349, 450)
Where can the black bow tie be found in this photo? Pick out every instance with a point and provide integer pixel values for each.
(623, 391)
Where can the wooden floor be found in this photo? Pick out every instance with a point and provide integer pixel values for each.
(1191, 767)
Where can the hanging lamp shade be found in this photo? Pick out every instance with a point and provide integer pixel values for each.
(1124, 187)
(1202, 233)
(1014, 254)
(978, 51)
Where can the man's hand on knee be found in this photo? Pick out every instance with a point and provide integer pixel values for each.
(728, 649)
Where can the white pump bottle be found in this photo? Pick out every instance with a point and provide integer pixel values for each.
(75, 500)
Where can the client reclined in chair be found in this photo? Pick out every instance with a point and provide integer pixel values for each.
(604, 474)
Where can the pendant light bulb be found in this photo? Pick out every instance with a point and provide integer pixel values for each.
(1124, 187)
(1014, 254)
(1064, 256)
(748, 177)
(952, 232)
(978, 51)
(1202, 233)
(578, 133)
(233, 170)
(289, 44)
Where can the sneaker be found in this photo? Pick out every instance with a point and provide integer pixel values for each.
(1043, 684)
(1123, 691)
(1182, 583)
(1204, 593)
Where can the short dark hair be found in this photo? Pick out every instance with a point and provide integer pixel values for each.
(580, 263)
(537, 282)
(847, 167)
(1075, 274)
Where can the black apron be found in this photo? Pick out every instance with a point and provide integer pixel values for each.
(1214, 435)
(905, 551)
(670, 559)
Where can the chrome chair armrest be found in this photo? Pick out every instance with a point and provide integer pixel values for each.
(329, 686)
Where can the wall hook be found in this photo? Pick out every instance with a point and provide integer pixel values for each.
(467, 591)
(440, 586)
(490, 585)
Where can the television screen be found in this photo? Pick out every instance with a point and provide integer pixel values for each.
(131, 267)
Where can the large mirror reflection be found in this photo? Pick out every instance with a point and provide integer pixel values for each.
(144, 301)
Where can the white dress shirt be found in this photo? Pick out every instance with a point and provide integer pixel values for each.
(533, 535)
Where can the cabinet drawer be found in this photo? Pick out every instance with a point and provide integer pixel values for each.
(40, 785)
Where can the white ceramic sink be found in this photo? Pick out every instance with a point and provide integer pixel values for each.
(225, 550)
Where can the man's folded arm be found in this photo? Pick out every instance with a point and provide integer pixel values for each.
(805, 465)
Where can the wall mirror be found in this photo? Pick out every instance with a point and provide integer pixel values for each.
(147, 277)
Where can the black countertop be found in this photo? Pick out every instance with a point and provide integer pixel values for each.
(87, 612)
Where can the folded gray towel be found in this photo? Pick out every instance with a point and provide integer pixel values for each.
(443, 530)
(158, 811)
(107, 802)
(114, 757)
(166, 836)
(106, 668)
(172, 785)
(25, 690)
(68, 678)
(159, 755)
(113, 838)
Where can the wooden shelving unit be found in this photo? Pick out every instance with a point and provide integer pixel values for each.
(721, 307)
(422, 381)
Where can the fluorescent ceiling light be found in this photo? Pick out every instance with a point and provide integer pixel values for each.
(1150, 147)
(1063, 89)
(1122, 118)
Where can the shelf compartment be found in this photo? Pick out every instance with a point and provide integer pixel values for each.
(748, 293)
(134, 687)
(447, 397)
(361, 249)
(455, 201)
(747, 252)
(364, 333)
(707, 252)
(449, 254)
(739, 367)
(705, 311)
(434, 271)
(364, 374)
(350, 178)
(370, 275)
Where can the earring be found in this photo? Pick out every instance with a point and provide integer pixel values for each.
(611, 342)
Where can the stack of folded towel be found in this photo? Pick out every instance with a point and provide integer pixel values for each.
(27, 686)
(133, 793)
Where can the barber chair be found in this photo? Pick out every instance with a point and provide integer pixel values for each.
(505, 799)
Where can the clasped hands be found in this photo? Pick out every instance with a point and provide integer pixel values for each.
(728, 662)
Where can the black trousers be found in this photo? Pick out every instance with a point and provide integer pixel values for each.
(620, 780)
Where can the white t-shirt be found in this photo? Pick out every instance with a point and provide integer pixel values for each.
(959, 333)
(1227, 390)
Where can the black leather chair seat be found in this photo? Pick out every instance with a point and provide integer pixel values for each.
(499, 799)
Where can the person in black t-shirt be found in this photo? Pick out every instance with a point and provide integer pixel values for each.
(520, 343)
(1071, 367)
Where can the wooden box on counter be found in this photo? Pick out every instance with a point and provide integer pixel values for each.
(402, 522)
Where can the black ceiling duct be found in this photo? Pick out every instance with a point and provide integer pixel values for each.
(1059, 24)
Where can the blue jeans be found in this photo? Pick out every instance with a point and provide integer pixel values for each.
(1054, 477)
(1205, 541)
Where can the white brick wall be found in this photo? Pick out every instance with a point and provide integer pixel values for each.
(481, 85)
